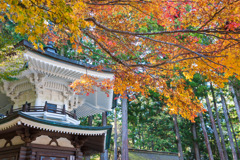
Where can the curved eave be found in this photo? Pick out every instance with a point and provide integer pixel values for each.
(15, 115)
(60, 58)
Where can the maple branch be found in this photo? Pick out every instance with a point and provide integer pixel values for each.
(93, 52)
(125, 45)
(103, 47)
(180, 46)
(173, 44)
(92, 19)
(210, 65)
(117, 2)
(221, 37)
(215, 14)
(170, 62)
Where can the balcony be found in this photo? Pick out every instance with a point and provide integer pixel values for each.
(48, 111)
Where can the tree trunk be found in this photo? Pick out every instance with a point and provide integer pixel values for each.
(228, 128)
(195, 143)
(90, 119)
(219, 123)
(215, 130)
(143, 143)
(234, 135)
(235, 102)
(140, 139)
(115, 134)
(179, 143)
(152, 145)
(206, 137)
(104, 156)
(124, 129)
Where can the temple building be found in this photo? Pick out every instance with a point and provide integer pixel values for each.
(39, 111)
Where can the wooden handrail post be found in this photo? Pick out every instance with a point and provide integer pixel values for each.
(64, 109)
(25, 107)
(45, 106)
(11, 109)
(74, 114)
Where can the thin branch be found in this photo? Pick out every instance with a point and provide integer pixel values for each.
(92, 19)
(104, 48)
(180, 46)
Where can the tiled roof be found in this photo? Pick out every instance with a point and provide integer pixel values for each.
(21, 118)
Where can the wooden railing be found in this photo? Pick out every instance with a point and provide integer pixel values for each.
(45, 108)
(2, 116)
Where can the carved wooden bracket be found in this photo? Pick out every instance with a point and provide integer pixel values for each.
(78, 141)
(26, 136)
(54, 139)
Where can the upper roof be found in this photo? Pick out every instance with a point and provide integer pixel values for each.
(59, 57)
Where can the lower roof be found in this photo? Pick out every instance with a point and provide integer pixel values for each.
(19, 118)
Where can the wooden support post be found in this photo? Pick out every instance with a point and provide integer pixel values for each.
(22, 153)
(79, 155)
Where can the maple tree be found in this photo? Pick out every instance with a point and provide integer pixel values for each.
(11, 58)
(145, 43)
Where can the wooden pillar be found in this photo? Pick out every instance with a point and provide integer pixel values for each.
(104, 156)
(26, 153)
(78, 142)
(79, 155)
(22, 153)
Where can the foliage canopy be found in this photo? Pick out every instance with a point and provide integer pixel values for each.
(145, 43)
